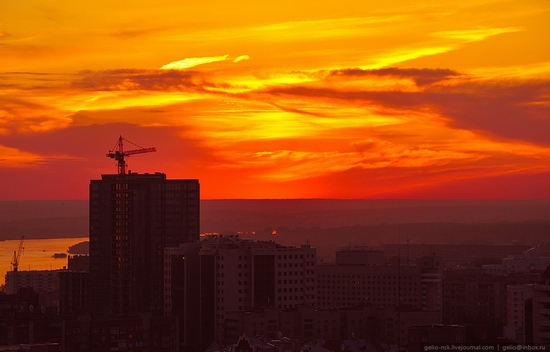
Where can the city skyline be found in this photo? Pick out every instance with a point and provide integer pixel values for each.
(416, 100)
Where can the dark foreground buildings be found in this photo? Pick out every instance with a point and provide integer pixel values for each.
(133, 217)
(152, 285)
(206, 282)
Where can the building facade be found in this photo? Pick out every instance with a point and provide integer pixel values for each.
(241, 275)
(41, 281)
(472, 297)
(182, 292)
(360, 277)
(133, 217)
(381, 286)
(73, 292)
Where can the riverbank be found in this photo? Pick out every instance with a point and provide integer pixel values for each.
(37, 254)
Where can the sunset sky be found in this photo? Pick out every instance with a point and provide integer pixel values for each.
(279, 99)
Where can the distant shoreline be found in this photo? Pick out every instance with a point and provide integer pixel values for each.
(43, 219)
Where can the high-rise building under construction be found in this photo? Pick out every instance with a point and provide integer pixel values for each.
(133, 217)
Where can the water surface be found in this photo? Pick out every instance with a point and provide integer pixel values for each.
(36, 255)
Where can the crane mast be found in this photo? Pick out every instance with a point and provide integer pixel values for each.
(17, 254)
(118, 153)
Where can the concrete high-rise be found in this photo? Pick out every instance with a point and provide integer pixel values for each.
(235, 275)
(133, 217)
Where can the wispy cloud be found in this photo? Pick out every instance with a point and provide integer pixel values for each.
(392, 57)
(241, 58)
(132, 33)
(135, 79)
(13, 157)
(192, 62)
(473, 35)
(419, 76)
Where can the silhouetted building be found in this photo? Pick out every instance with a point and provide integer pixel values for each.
(519, 302)
(360, 255)
(78, 262)
(454, 254)
(133, 217)
(472, 297)
(392, 325)
(347, 286)
(73, 292)
(529, 312)
(40, 280)
(304, 324)
(529, 261)
(140, 333)
(241, 275)
(300, 324)
(24, 321)
(541, 312)
(431, 282)
(182, 291)
(359, 276)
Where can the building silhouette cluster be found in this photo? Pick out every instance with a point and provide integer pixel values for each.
(153, 283)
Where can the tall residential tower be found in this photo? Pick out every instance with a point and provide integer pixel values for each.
(133, 217)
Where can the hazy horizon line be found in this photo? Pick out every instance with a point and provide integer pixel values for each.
(330, 199)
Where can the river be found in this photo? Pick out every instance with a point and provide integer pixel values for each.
(37, 254)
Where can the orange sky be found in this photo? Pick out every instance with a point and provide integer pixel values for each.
(280, 99)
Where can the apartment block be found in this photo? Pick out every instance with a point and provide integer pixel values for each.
(241, 275)
(133, 217)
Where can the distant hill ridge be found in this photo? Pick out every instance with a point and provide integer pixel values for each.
(69, 218)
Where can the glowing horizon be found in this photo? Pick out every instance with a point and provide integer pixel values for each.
(408, 99)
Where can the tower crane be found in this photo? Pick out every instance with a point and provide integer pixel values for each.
(118, 153)
(17, 254)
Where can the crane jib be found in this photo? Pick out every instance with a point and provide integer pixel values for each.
(119, 154)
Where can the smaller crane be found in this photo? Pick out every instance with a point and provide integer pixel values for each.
(17, 254)
(118, 154)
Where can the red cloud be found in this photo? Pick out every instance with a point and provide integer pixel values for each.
(511, 109)
(421, 77)
(135, 79)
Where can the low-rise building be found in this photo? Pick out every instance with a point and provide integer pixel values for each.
(40, 280)
(529, 261)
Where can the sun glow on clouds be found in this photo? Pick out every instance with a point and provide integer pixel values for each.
(196, 61)
(241, 58)
(472, 35)
(295, 165)
(192, 62)
(390, 99)
(12, 157)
